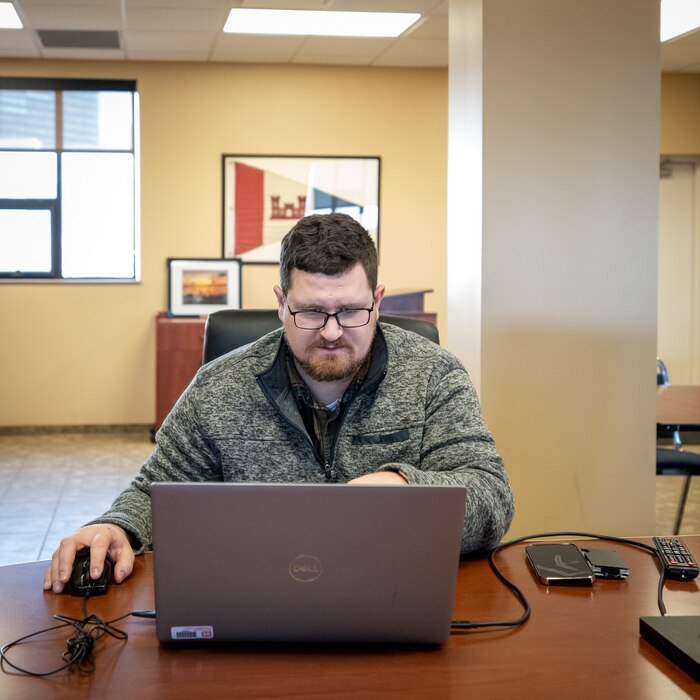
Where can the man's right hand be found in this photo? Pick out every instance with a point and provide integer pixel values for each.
(102, 540)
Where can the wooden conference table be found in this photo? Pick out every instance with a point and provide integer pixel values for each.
(678, 406)
(578, 643)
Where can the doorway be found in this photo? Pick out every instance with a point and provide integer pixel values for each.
(679, 268)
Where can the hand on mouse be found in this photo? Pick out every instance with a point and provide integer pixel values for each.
(102, 540)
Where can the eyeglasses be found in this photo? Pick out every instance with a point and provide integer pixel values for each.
(315, 320)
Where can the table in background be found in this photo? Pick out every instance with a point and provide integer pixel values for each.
(678, 406)
(579, 642)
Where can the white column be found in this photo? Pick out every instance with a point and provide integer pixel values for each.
(464, 184)
(569, 208)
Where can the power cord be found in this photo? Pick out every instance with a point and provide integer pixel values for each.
(88, 631)
(457, 625)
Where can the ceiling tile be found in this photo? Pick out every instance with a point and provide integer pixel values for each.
(68, 17)
(168, 42)
(335, 60)
(175, 20)
(186, 4)
(425, 49)
(84, 54)
(343, 46)
(283, 4)
(242, 47)
(14, 52)
(273, 57)
(677, 57)
(688, 40)
(423, 7)
(19, 39)
(430, 28)
(185, 56)
(408, 62)
(97, 3)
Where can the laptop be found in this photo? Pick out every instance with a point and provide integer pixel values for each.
(305, 563)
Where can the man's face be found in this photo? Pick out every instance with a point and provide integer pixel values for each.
(332, 353)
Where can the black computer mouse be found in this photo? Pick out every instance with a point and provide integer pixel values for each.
(80, 583)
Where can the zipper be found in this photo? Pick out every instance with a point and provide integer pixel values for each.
(328, 466)
(325, 466)
(327, 471)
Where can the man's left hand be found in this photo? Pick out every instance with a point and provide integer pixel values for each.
(379, 478)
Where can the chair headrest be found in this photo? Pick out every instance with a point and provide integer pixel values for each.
(232, 328)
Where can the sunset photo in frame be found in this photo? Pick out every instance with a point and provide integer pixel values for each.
(264, 196)
(200, 286)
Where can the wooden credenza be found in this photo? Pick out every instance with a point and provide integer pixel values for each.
(179, 346)
(178, 357)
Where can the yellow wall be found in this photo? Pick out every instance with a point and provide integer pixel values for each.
(76, 354)
(85, 354)
(680, 114)
(679, 235)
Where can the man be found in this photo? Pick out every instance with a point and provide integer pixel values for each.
(333, 396)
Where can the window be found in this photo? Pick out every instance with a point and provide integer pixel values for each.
(68, 179)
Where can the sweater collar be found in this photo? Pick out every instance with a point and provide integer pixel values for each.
(276, 375)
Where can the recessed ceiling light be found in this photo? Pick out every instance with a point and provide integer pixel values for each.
(319, 23)
(9, 19)
(679, 17)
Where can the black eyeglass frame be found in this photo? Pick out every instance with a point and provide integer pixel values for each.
(327, 315)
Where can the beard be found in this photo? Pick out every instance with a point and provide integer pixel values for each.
(329, 368)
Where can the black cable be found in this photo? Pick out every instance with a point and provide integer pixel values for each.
(88, 631)
(81, 646)
(660, 590)
(457, 625)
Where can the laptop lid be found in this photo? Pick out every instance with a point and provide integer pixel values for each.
(305, 563)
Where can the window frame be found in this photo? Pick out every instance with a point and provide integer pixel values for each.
(54, 206)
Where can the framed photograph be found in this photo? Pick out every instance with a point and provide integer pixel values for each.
(264, 196)
(200, 286)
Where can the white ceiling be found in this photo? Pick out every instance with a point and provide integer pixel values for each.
(191, 30)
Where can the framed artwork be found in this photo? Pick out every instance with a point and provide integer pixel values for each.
(200, 286)
(264, 196)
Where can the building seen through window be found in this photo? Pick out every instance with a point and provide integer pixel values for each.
(68, 179)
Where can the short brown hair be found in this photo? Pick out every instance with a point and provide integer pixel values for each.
(330, 244)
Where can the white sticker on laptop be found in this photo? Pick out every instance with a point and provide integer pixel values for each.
(193, 632)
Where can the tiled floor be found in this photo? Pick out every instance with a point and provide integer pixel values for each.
(50, 484)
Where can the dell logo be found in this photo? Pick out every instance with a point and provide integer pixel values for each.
(305, 568)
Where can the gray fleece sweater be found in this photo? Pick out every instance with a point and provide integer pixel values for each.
(416, 412)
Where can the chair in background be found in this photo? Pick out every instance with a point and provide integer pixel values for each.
(229, 329)
(674, 461)
(232, 328)
(665, 431)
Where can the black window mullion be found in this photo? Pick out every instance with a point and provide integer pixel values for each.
(91, 85)
(52, 205)
(27, 203)
(56, 222)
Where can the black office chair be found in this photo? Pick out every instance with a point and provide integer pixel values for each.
(665, 431)
(233, 328)
(661, 373)
(675, 461)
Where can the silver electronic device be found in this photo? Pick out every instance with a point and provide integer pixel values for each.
(305, 563)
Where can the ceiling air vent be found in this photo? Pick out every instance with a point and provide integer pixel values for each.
(78, 39)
